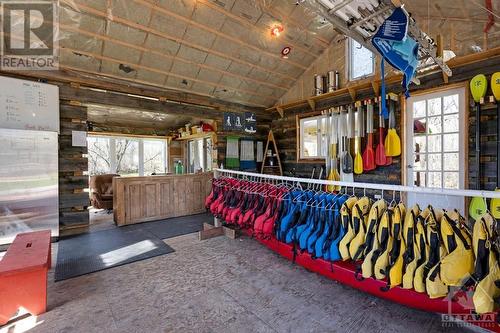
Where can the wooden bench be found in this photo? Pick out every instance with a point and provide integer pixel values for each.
(23, 275)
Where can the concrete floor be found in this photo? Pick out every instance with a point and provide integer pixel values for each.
(217, 285)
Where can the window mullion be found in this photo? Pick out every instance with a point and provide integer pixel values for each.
(141, 157)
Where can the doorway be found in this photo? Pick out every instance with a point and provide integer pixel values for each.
(436, 146)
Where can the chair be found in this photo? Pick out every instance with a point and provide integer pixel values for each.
(101, 191)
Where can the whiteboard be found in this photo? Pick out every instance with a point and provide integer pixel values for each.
(28, 105)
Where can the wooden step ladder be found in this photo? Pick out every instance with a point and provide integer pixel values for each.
(271, 165)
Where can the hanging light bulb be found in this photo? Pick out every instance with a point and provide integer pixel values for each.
(285, 52)
(276, 30)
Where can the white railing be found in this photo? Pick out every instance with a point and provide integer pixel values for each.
(380, 187)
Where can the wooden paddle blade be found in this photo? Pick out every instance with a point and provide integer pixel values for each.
(477, 207)
(380, 157)
(358, 164)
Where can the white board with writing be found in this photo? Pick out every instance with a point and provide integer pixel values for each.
(28, 105)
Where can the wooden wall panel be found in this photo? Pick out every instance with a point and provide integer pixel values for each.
(73, 201)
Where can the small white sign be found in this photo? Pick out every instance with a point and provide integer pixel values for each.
(79, 138)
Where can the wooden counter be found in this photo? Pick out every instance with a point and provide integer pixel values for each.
(149, 198)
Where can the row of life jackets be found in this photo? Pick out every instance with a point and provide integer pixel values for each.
(428, 250)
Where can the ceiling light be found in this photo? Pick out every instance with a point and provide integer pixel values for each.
(285, 52)
(276, 30)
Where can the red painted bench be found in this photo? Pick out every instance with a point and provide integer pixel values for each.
(23, 275)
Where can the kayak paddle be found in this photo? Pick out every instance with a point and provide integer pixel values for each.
(358, 160)
(369, 154)
(478, 86)
(380, 158)
(392, 140)
(495, 88)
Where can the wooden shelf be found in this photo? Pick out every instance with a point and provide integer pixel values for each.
(196, 136)
(374, 85)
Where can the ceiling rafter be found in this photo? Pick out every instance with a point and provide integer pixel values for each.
(250, 25)
(159, 9)
(166, 56)
(117, 61)
(95, 12)
(121, 79)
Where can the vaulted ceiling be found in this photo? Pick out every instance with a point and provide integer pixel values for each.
(221, 48)
(224, 48)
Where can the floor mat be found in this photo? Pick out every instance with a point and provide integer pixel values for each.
(96, 251)
(173, 227)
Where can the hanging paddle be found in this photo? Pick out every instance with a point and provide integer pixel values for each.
(347, 161)
(328, 114)
(358, 160)
(495, 88)
(478, 87)
(369, 154)
(331, 147)
(392, 140)
(380, 158)
(334, 131)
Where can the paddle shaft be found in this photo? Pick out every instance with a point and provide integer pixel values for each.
(478, 146)
(498, 144)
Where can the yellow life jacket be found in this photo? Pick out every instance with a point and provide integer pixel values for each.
(422, 250)
(385, 244)
(487, 289)
(395, 266)
(458, 265)
(371, 239)
(410, 254)
(434, 286)
(346, 219)
(360, 215)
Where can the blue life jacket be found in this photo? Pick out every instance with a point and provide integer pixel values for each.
(291, 235)
(320, 225)
(338, 231)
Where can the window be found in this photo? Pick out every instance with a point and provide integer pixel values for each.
(312, 138)
(200, 155)
(126, 156)
(361, 61)
(435, 147)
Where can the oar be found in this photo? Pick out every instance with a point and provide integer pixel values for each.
(334, 174)
(358, 160)
(478, 86)
(380, 158)
(393, 142)
(328, 114)
(369, 154)
(495, 88)
(347, 161)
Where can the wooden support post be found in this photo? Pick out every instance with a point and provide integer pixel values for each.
(440, 53)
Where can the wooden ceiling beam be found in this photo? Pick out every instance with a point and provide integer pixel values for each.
(114, 18)
(75, 77)
(166, 56)
(134, 66)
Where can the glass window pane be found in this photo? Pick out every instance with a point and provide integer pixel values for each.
(420, 126)
(310, 138)
(434, 106)
(154, 156)
(98, 155)
(434, 143)
(451, 179)
(451, 123)
(421, 162)
(434, 125)
(451, 162)
(419, 109)
(419, 179)
(450, 104)
(451, 142)
(361, 60)
(419, 144)
(208, 152)
(127, 157)
(434, 179)
(434, 162)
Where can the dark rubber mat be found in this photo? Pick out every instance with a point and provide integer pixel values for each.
(96, 251)
(173, 227)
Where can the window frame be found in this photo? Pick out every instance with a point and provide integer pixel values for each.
(350, 63)
(140, 139)
(299, 146)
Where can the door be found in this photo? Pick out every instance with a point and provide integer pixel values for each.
(435, 146)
